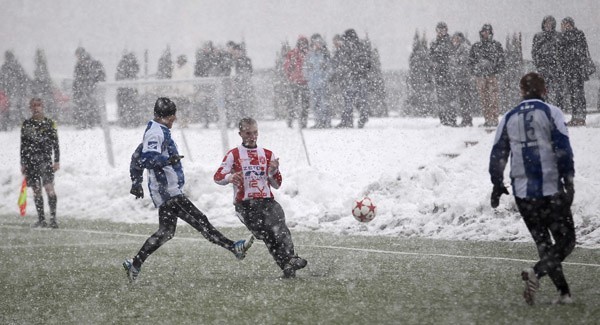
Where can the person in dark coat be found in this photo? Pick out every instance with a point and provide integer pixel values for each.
(546, 59)
(40, 158)
(16, 85)
(42, 85)
(88, 73)
(128, 69)
(241, 91)
(574, 53)
(439, 53)
(354, 67)
(487, 62)
(462, 86)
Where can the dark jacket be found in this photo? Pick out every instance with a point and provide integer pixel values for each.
(88, 72)
(458, 66)
(486, 58)
(545, 50)
(39, 139)
(439, 54)
(573, 53)
(355, 60)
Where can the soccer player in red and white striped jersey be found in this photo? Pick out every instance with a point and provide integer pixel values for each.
(253, 171)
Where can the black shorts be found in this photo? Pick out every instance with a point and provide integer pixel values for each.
(43, 174)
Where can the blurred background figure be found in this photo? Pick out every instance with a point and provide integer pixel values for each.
(439, 53)
(546, 59)
(353, 69)
(462, 87)
(183, 93)
(43, 87)
(574, 56)
(208, 64)
(88, 73)
(299, 94)
(241, 95)
(127, 97)
(16, 85)
(316, 70)
(487, 62)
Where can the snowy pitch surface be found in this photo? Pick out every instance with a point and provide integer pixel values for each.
(73, 275)
(426, 180)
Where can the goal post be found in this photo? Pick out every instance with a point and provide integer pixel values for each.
(176, 89)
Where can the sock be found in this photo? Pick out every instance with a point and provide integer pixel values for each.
(52, 203)
(39, 206)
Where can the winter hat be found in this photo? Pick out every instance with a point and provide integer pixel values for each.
(350, 35)
(569, 20)
(551, 20)
(302, 42)
(487, 27)
(460, 36)
(441, 25)
(164, 107)
(317, 38)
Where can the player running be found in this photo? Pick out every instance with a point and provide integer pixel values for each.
(535, 135)
(159, 155)
(253, 170)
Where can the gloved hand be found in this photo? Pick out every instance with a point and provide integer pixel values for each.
(496, 194)
(137, 191)
(174, 159)
(569, 190)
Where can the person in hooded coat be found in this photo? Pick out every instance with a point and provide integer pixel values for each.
(299, 93)
(487, 62)
(546, 60)
(462, 86)
(354, 66)
(439, 54)
(574, 53)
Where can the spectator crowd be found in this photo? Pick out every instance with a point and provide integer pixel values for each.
(453, 78)
(450, 78)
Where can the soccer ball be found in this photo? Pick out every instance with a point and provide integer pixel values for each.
(364, 210)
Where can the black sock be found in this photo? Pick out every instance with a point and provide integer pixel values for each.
(39, 205)
(52, 203)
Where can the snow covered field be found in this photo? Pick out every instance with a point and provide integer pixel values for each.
(427, 180)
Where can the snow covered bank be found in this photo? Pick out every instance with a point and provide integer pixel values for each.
(427, 180)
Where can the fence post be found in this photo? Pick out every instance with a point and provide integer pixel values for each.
(101, 93)
(220, 95)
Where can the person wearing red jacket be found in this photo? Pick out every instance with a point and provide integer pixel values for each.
(299, 93)
(253, 170)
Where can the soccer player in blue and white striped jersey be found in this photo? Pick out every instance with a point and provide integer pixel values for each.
(535, 135)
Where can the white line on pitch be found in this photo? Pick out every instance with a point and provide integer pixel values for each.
(440, 255)
(321, 246)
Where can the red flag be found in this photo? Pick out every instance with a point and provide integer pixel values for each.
(23, 198)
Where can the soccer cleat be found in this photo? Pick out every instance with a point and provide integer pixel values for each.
(531, 285)
(53, 224)
(40, 224)
(295, 263)
(240, 247)
(132, 272)
(565, 299)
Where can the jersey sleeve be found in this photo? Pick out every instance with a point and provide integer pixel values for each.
(500, 153)
(276, 179)
(136, 170)
(222, 177)
(562, 145)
